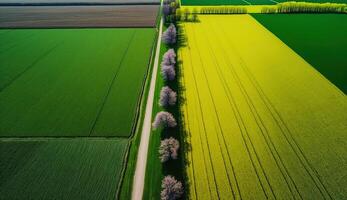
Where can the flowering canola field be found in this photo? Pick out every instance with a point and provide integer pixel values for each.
(261, 122)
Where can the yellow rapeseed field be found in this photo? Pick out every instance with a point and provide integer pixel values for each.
(261, 122)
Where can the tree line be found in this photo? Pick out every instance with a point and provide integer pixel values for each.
(171, 188)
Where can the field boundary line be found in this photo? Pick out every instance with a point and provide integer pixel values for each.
(37, 60)
(262, 127)
(204, 127)
(247, 2)
(141, 162)
(17, 41)
(7, 139)
(45, 4)
(101, 108)
(211, 52)
(274, 1)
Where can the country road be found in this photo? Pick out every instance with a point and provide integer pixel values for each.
(140, 171)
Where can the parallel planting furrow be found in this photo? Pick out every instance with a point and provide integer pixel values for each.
(269, 143)
(246, 137)
(222, 145)
(244, 112)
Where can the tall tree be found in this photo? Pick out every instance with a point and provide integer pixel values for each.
(167, 97)
(171, 188)
(164, 119)
(168, 149)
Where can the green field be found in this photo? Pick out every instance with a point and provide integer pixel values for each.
(213, 2)
(320, 39)
(247, 2)
(61, 169)
(71, 82)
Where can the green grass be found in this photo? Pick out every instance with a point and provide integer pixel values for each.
(212, 2)
(154, 169)
(61, 169)
(127, 182)
(319, 38)
(246, 2)
(71, 82)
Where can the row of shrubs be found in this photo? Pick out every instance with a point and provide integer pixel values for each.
(223, 10)
(285, 7)
(172, 189)
(305, 7)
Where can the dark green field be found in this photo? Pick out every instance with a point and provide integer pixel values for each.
(61, 169)
(212, 2)
(62, 91)
(246, 2)
(319, 38)
(71, 82)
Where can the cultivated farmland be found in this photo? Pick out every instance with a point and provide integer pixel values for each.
(321, 41)
(69, 82)
(78, 16)
(78, 2)
(247, 2)
(261, 122)
(213, 2)
(60, 168)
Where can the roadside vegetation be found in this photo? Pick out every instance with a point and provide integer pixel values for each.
(165, 169)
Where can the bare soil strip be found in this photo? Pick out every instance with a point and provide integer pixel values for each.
(78, 16)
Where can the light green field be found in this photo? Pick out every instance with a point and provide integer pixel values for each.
(71, 82)
(61, 168)
(261, 122)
